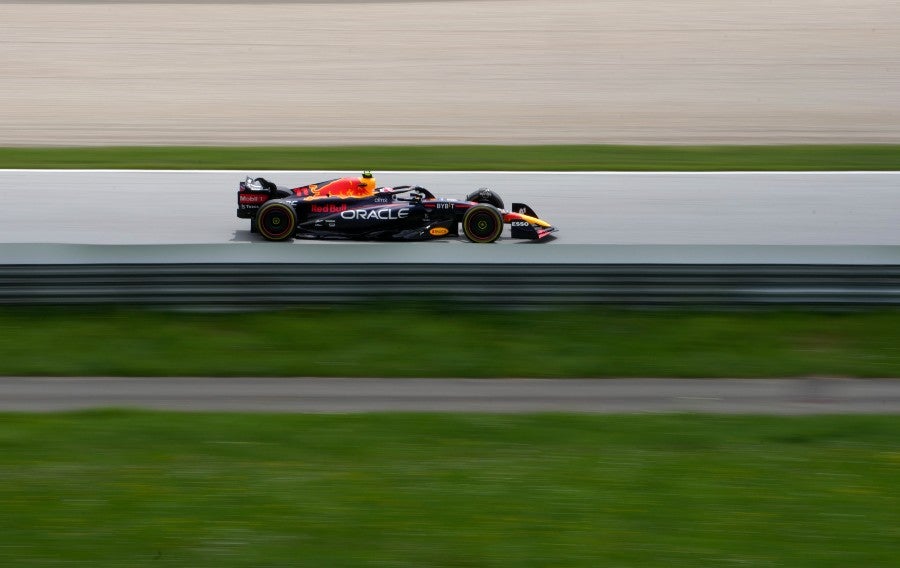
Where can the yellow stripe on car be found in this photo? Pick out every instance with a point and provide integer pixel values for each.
(534, 220)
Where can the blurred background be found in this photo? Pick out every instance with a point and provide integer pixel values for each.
(449, 71)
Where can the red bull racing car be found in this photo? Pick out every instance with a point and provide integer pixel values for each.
(353, 208)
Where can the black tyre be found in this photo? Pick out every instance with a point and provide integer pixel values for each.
(485, 195)
(482, 224)
(276, 221)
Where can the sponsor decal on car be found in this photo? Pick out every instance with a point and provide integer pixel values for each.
(439, 231)
(253, 197)
(330, 208)
(384, 214)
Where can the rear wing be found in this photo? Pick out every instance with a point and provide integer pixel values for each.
(253, 192)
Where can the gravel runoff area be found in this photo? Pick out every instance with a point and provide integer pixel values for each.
(455, 71)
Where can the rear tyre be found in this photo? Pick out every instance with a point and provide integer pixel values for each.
(485, 195)
(482, 224)
(276, 221)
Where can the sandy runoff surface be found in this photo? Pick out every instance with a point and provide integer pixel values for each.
(447, 72)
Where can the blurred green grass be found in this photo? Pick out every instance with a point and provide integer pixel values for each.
(122, 488)
(516, 158)
(427, 342)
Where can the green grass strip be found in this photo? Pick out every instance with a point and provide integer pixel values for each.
(515, 158)
(115, 488)
(397, 342)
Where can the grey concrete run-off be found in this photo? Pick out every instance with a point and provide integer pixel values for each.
(726, 396)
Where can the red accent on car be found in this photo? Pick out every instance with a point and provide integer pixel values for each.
(329, 208)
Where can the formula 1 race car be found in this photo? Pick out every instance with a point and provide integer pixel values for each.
(344, 208)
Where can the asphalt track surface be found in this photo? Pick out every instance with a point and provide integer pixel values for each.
(600, 208)
(723, 396)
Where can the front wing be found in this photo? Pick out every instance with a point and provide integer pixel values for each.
(524, 223)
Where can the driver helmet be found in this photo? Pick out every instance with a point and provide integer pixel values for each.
(368, 181)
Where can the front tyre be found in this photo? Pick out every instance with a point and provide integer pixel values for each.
(276, 221)
(482, 224)
(485, 195)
